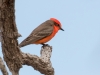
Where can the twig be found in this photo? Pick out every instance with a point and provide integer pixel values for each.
(2, 67)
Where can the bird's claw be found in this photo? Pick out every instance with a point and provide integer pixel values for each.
(44, 45)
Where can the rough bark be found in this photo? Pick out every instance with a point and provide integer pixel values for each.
(2, 67)
(12, 55)
(42, 63)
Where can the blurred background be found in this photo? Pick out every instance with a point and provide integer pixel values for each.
(76, 51)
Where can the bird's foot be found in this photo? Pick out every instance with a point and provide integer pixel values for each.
(44, 45)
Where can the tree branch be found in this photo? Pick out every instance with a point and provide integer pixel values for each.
(11, 53)
(13, 56)
(2, 67)
(42, 63)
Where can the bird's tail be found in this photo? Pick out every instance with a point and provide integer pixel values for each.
(21, 45)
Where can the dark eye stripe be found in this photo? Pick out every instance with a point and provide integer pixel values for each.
(56, 24)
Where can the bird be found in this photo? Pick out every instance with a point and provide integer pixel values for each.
(43, 33)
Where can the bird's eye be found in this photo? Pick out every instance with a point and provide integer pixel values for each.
(57, 24)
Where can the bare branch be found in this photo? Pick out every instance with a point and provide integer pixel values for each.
(2, 67)
(0, 22)
(42, 64)
(11, 53)
(13, 56)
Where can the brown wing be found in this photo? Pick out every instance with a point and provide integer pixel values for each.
(42, 31)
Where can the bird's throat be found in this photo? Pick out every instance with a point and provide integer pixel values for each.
(55, 29)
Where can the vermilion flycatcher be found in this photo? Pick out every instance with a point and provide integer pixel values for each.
(43, 33)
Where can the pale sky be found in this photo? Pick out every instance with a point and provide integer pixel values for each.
(76, 51)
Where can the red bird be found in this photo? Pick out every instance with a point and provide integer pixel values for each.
(43, 33)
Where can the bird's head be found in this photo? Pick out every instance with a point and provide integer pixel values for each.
(57, 23)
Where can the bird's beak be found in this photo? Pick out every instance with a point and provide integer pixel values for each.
(62, 29)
